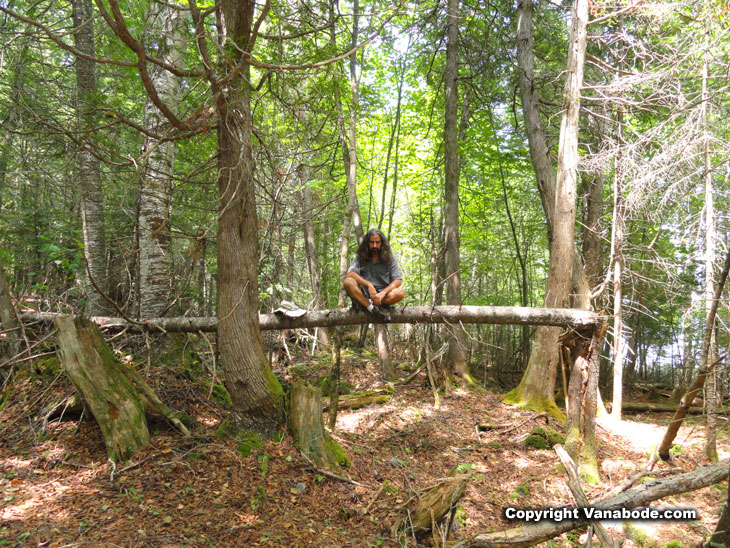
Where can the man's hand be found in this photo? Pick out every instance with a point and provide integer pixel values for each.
(377, 298)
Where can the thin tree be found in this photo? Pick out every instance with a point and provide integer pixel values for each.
(458, 355)
(92, 197)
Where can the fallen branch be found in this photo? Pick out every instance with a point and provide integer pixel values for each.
(361, 399)
(529, 534)
(580, 497)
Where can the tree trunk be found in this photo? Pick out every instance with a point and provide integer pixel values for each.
(618, 242)
(310, 248)
(92, 200)
(382, 347)
(458, 352)
(256, 394)
(156, 181)
(500, 315)
(583, 391)
(536, 389)
(97, 375)
(307, 428)
(710, 449)
(641, 495)
(9, 320)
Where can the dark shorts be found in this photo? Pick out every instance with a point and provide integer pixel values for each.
(366, 292)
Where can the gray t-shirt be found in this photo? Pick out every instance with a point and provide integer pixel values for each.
(379, 274)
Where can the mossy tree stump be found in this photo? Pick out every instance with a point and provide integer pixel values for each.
(115, 394)
(307, 428)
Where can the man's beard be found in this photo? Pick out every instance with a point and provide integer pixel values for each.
(373, 251)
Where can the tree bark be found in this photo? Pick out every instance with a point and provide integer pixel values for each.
(9, 320)
(92, 199)
(256, 394)
(618, 244)
(458, 352)
(641, 495)
(583, 392)
(155, 187)
(109, 394)
(500, 315)
(536, 389)
(307, 427)
(382, 348)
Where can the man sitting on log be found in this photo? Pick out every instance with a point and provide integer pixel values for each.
(373, 280)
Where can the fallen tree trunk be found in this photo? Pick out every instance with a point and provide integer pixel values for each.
(514, 315)
(664, 407)
(529, 534)
(361, 399)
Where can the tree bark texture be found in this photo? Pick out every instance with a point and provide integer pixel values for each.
(433, 505)
(458, 352)
(155, 189)
(9, 320)
(382, 348)
(618, 244)
(537, 386)
(641, 495)
(96, 373)
(256, 394)
(92, 199)
(497, 315)
(583, 392)
(307, 427)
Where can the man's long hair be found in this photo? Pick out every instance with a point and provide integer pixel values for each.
(363, 255)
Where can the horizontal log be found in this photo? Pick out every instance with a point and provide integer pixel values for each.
(640, 407)
(514, 315)
(530, 534)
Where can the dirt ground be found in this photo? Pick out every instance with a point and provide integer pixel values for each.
(59, 490)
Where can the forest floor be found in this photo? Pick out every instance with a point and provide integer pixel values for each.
(59, 490)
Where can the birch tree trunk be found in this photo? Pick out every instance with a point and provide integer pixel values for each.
(256, 393)
(92, 199)
(458, 355)
(155, 189)
(536, 389)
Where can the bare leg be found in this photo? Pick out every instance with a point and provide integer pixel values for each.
(394, 296)
(352, 288)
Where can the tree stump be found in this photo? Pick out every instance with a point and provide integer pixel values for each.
(433, 504)
(382, 348)
(307, 427)
(115, 394)
(109, 394)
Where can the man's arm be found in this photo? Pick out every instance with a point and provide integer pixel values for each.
(378, 298)
(362, 281)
